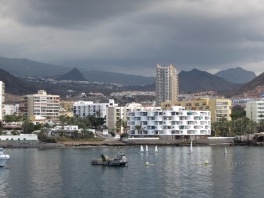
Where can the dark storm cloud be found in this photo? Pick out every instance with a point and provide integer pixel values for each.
(134, 35)
(71, 13)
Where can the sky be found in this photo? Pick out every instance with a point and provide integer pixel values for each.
(133, 36)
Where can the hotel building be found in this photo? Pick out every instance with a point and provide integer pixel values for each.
(41, 105)
(177, 122)
(255, 110)
(167, 88)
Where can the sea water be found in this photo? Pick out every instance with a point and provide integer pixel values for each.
(171, 172)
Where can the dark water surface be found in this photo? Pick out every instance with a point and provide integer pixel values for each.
(172, 173)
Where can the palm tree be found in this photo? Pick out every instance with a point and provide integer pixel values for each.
(261, 126)
(118, 125)
(124, 125)
(138, 128)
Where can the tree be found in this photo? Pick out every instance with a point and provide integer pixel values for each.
(261, 126)
(244, 125)
(13, 118)
(124, 125)
(95, 122)
(238, 112)
(64, 120)
(118, 125)
(27, 126)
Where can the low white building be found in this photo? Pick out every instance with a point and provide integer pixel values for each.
(255, 110)
(67, 130)
(21, 137)
(178, 122)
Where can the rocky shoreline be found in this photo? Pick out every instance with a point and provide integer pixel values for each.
(71, 144)
(78, 144)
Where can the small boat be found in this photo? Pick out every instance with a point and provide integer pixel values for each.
(146, 148)
(141, 149)
(156, 149)
(3, 158)
(153, 151)
(120, 160)
(190, 152)
(225, 151)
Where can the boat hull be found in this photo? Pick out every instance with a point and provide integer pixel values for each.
(3, 160)
(108, 163)
(120, 160)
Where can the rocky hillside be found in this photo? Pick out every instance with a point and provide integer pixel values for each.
(14, 85)
(256, 82)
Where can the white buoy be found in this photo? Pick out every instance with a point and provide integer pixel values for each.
(206, 162)
(147, 163)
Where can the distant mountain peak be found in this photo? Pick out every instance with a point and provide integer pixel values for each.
(74, 75)
(236, 75)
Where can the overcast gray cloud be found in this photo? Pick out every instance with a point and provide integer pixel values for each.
(133, 36)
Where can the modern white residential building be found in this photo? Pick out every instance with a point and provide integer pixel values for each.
(42, 104)
(167, 88)
(177, 121)
(86, 108)
(255, 110)
(2, 99)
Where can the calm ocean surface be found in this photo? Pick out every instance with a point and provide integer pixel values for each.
(172, 173)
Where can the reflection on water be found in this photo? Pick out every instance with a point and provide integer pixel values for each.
(4, 174)
(172, 172)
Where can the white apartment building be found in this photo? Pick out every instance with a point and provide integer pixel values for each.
(255, 110)
(177, 121)
(42, 105)
(167, 88)
(2, 99)
(86, 108)
(11, 109)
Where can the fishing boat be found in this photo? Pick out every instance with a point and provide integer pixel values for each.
(120, 160)
(3, 158)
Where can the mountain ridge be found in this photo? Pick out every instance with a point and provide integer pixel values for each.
(198, 81)
(237, 75)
